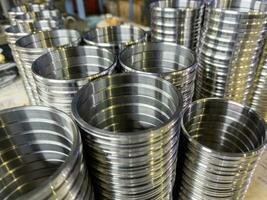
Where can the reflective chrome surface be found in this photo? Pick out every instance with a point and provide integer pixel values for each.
(228, 51)
(32, 46)
(240, 5)
(49, 3)
(43, 14)
(23, 9)
(41, 156)
(115, 38)
(259, 91)
(178, 22)
(221, 143)
(29, 18)
(172, 62)
(131, 125)
(61, 73)
(13, 33)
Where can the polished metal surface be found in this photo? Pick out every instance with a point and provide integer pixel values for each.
(43, 14)
(176, 21)
(240, 5)
(228, 51)
(170, 61)
(29, 18)
(32, 46)
(131, 125)
(49, 3)
(13, 33)
(115, 38)
(221, 143)
(258, 99)
(19, 10)
(61, 73)
(41, 156)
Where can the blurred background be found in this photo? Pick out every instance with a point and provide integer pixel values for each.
(95, 13)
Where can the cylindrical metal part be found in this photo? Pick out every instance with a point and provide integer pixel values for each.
(13, 33)
(19, 10)
(61, 73)
(229, 48)
(178, 22)
(31, 17)
(41, 156)
(172, 62)
(221, 143)
(32, 46)
(49, 3)
(115, 38)
(258, 99)
(131, 125)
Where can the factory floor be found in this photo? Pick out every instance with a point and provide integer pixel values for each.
(13, 95)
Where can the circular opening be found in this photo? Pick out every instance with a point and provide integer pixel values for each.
(18, 9)
(157, 57)
(49, 39)
(11, 30)
(29, 8)
(115, 35)
(44, 14)
(41, 25)
(45, 25)
(184, 4)
(48, 14)
(24, 17)
(36, 143)
(127, 103)
(240, 6)
(224, 126)
(74, 63)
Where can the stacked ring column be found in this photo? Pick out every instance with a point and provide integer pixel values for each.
(130, 126)
(32, 46)
(178, 22)
(61, 73)
(172, 62)
(221, 143)
(41, 156)
(229, 49)
(115, 38)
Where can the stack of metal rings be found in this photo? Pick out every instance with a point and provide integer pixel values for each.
(61, 73)
(115, 38)
(221, 143)
(32, 46)
(176, 21)
(229, 49)
(172, 62)
(259, 93)
(29, 18)
(42, 14)
(41, 156)
(49, 3)
(131, 125)
(13, 33)
(20, 10)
